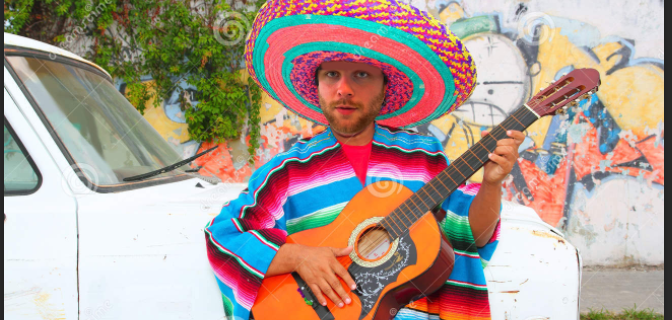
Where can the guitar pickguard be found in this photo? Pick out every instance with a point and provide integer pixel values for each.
(372, 281)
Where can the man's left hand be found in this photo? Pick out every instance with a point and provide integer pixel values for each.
(503, 158)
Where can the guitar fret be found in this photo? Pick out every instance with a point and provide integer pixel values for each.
(416, 205)
(431, 185)
(389, 227)
(411, 212)
(401, 221)
(451, 178)
(514, 118)
(395, 223)
(490, 136)
(480, 143)
(441, 182)
(503, 130)
(427, 193)
(423, 201)
(477, 158)
(467, 163)
(422, 207)
(458, 171)
(396, 216)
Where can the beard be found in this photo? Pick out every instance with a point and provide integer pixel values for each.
(349, 127)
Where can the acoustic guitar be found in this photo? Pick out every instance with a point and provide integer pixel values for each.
(400, 254)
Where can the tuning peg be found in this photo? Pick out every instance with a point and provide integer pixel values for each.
(574, 104)
(585, 97)
(562, 111)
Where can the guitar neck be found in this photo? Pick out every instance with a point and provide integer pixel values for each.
(435, 192)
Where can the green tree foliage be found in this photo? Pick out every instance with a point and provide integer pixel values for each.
(199, 42)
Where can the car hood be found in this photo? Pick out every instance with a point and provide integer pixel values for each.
(189, 196)
(196, 196)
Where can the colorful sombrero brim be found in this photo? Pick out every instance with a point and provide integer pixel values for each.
(430, 73)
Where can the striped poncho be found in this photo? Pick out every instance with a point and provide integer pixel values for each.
(308, 186)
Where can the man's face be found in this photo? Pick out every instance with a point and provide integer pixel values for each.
(351, 95)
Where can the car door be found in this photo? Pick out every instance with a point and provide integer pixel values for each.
(40, 227)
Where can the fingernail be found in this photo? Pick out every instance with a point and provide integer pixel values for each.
(491, 156)
(509, 132)
(324, 304)
(354, 286)
(340, 305)
(347, 301)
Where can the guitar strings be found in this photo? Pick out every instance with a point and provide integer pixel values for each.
(465, 161)
(456, 167)
(348, 262)
(525, 117)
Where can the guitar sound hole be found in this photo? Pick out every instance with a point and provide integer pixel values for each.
(373, 244)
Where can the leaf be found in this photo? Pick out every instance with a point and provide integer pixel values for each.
(159, 39)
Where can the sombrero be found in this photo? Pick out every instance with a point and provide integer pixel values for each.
(430, 73)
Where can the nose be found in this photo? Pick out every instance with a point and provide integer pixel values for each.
(345, 89)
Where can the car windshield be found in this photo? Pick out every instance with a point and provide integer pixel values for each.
(103, 133)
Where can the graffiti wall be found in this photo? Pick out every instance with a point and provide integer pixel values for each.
(596, 173)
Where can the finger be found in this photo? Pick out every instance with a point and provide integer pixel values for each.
(506, 151)
(484, 133)
(330, 293)
(336, 286)
(317, 291)
(341, 272)
(501, 161)
(341, 252)
(516, 135)
(507, 142)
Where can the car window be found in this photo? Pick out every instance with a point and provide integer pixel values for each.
(21, 174)
(101, 130)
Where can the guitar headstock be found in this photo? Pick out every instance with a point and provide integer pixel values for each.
(578, 85)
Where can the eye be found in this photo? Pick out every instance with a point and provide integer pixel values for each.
(362, 74)
(331, 74)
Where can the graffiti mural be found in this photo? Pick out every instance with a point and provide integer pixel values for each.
(612, 128)
(596, 173)
(613, 142)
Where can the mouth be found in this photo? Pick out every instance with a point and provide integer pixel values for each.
(346, 110)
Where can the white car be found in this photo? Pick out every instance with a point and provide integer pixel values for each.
(80, 242)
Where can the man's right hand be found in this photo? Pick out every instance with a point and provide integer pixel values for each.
(318, 267)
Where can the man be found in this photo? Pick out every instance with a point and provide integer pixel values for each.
(333, 74)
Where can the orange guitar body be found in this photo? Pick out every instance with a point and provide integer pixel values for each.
(281, 297)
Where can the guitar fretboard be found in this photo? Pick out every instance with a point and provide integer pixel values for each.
(435, 192)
